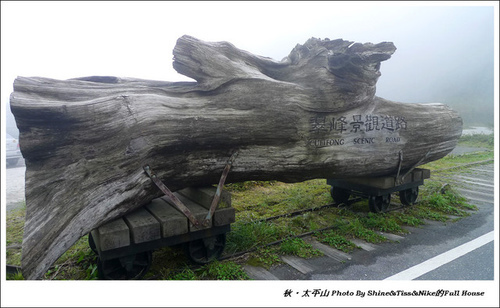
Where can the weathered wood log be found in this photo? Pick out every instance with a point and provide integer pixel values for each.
(312, 115)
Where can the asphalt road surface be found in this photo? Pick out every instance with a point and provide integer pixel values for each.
(14, 188)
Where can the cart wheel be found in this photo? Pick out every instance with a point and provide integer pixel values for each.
(132, 267)
(408, 196)
(340, 195)
(206, 250)
(92, 243)
(379, 204)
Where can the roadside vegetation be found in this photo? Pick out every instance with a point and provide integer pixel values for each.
(485, 153)
(478, 141)
(261, 241)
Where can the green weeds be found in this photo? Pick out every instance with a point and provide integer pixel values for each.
(336, 240)
(457, 161)
(265, 257)
(227, 270)
(246, 236)
(15, 276)
(447, 200)
(478, 140)
(14, 234)
(299, 248)
(384, 222)
(360, 227)
(276, 198)
(184, 274)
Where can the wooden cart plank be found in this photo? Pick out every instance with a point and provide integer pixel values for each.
(383, 182)
(112, 235)
(143, 226)
(417, 175)
(224, 214)
(198, 211)
(160, 219)
(205, 195)
(426, 173)
(172, 222)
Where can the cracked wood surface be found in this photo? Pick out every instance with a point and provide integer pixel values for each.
(312, 115)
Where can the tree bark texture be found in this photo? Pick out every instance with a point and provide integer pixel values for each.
(312, 115)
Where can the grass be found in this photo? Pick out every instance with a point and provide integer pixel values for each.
(478, 141)
(16, 276)
(247, 236)
(226, 270)
(14, 234)
(216, 270)
(184, 274)
(357, 228)
(457, 161)
(255, 201)
(298, 247)
(77, 263)
(261, 200)
(265, 257)
(437, 203)
(336, 240)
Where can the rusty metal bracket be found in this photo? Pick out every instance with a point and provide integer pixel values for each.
(178, 203)
(215, 200)
(399, 167)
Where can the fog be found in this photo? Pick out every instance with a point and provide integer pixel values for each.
(451, 61)
(444, 53)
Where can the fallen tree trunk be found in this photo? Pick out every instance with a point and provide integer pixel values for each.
(312, 115)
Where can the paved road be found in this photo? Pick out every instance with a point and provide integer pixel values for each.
(410, 256)
(14, 188)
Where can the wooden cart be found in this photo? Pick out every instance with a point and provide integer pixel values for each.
(379, 189)
(125, 245)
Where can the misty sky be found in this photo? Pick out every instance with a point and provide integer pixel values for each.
(444, 53)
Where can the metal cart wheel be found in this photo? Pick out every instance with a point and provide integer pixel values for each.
(206, 250)
(92, 243)
(379, 204)
(132, 267)
(409, 196)
(340, 195)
